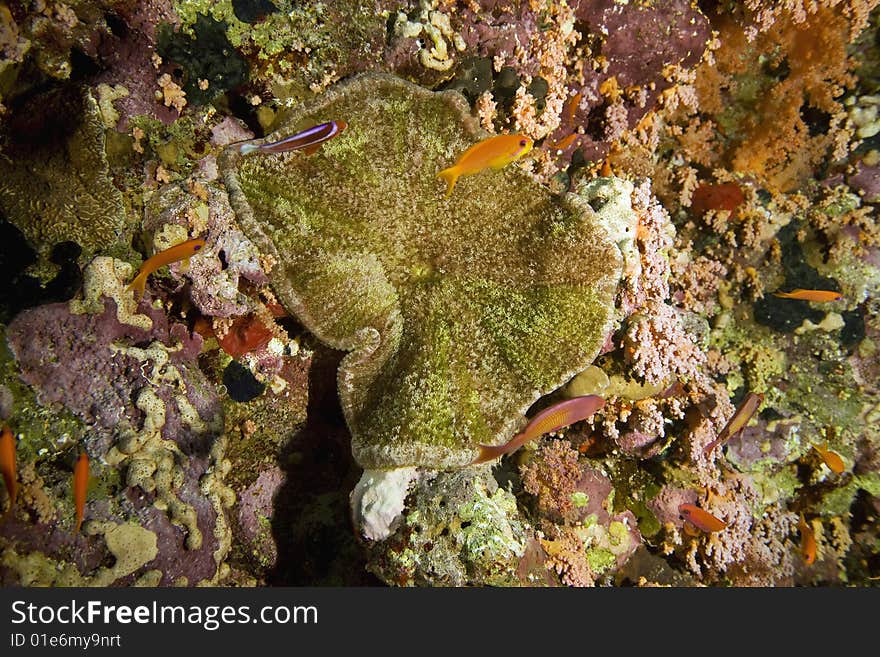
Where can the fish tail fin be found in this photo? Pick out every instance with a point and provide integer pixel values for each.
(79, 522)
(489, 452)
(244, 149)
(450, 176)
(138, 285)
(11, 493)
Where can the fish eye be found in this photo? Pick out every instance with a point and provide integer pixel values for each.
(523, 142)
(197, 247)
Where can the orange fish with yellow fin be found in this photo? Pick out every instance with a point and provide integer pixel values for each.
(183, 251)
(810, 295)
(808, 541)
(552, 418)
(701, 518)
(831, 459)
(492, 153)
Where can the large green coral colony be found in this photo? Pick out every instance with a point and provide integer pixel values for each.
(460, 312)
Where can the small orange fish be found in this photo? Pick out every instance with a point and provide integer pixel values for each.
(808, 541)
(183, 251)
(495, 152)
(550, 419)
(747, 408)
(565, 142)
(832, 459)
(810, 295)
(7, 465)
(80, 484)
(701, 519)
(572, 106)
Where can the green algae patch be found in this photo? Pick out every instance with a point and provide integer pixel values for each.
(487, 536)
(458, 313)
(303, 44)
(42, 431)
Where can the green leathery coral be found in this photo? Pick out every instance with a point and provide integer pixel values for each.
(459, 313)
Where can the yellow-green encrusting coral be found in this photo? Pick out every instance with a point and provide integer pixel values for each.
(56, 193)
(458, 313)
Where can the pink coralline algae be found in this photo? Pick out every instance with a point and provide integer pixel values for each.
(635, 43)
(696, 284)
(658, 347)
(585, 538)
(127, 55)
(228, 256)
(751, 550)
(762, 442)
(255, 510)
(665, 504)
(611, 57)
(553, 479)
(866, 181)
(73, 360)
(110, 375)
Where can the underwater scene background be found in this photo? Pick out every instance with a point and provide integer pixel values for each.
(628, 336)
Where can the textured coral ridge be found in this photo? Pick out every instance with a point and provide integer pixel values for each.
(60, 193)
(166, 417)
(460, 312)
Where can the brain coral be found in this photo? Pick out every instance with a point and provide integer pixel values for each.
(458, 313)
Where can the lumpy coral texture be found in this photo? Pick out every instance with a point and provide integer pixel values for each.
(343, 384)
(459, 312)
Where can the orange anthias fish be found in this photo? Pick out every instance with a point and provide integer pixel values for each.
(808, 541)
(565, 142)
(832, 459)
(183, 251)
(308, 140)
(738, 421)
(495, 152)
(810, 295)
(7, 465)
(572, 107)
(80, 484)
(701, 519)
(550, 419)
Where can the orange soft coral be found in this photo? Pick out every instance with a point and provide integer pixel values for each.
(765, 118)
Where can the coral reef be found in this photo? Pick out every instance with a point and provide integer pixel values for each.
(164, 416)
(300, 402)
(455, 325)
